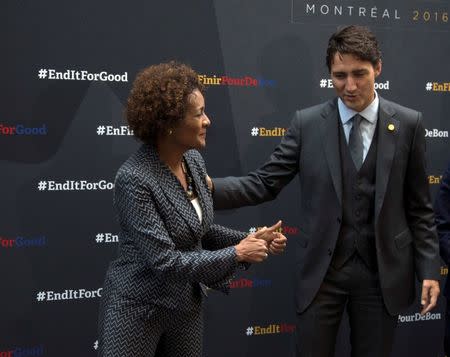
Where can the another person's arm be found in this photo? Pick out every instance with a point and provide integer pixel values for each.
(265, 183)
(442, 210)
(420, 218)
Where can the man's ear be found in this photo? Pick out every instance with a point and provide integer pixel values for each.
(377, 68)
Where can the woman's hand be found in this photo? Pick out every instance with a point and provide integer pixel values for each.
(251, 250)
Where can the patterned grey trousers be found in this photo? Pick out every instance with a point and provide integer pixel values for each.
(129, 329)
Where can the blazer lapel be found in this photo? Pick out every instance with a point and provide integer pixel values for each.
(204, 195)
(173, 191)
(388, 129)
(329, 127)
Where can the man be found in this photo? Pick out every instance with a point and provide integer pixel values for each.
(366, 221)
(442, 209)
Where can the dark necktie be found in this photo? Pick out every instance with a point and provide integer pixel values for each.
(355, 142)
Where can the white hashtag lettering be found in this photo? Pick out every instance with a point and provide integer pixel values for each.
(81, 75)
(40, 296)
(99, 238)
(71, 185)
(42, 73)
(100, 130)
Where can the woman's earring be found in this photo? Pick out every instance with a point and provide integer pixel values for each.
(170, 132)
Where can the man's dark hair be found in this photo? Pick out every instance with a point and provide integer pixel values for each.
(358, 41)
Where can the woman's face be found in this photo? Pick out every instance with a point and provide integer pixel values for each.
(191, 132)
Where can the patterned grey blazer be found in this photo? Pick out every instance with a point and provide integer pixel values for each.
(165, 252)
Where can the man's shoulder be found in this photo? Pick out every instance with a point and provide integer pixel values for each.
(315, 110)
(398, 109)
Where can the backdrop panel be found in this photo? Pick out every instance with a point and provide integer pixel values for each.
(66, 73)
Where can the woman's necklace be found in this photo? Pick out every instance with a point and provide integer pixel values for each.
(189, 182)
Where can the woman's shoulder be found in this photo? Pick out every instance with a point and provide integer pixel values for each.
(137, 167)
(194, 155)
(196, 159)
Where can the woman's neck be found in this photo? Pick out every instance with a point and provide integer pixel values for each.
(170, 154)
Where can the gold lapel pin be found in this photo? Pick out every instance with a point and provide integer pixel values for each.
(391, 127)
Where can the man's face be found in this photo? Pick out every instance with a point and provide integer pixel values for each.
(354, 80)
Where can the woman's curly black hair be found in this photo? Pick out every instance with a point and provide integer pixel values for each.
(159, 99)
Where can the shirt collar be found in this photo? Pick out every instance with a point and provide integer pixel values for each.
(370, 113)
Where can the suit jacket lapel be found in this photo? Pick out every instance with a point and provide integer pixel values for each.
(388, 129)
(329, 127)
(173, 190)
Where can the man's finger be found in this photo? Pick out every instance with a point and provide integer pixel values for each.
(278, 243)
(209, 183)
(275, 251)
(424, 299)
(428, 308)
(432, 304)
(433, 297)
(280, 237)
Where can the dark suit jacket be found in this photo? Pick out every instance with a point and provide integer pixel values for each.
(165, 252)
(406, 240)
(442, 209)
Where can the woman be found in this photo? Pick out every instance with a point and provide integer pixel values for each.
(169, 249)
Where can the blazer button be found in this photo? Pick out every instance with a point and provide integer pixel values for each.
(339, 220)
(330, 252)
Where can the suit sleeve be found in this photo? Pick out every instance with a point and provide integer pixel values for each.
(145, 230)
(265, 183)
(442, 210)
(419, 210)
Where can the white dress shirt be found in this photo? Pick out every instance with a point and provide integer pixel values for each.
(195, 202)
(367, 126)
